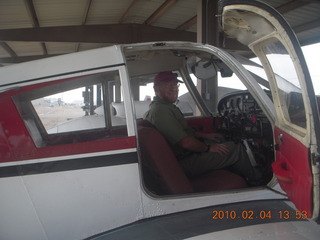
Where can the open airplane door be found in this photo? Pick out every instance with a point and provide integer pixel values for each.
(296, 129)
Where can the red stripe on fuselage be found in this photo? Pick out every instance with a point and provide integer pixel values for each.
(16, 143)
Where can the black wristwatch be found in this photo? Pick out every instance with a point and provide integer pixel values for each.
(208, 148)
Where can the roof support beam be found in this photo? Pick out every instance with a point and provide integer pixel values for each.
(111, 33)
(84, 20)
(161, 10)
(208, 27)
(188, 24)
(33, 13)
(35, 21)
(86, 13)
(128, 10)
(8, 49)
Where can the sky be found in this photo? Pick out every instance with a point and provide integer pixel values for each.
(312, 54)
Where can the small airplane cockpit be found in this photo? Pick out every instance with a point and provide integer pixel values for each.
(208, 106)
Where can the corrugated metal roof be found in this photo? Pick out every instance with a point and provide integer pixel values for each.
(14, 14)
(303, 18)
(59, 12)
(300, 15)
(44, 20)
(26, 48)
(106, 12)
(179, 13)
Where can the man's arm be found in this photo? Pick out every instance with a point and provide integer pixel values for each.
(218, 137)
(194, 145)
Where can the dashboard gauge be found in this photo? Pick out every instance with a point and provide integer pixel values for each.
(239, 104)
(232, 103)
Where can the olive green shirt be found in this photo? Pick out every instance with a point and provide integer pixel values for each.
(169, 120)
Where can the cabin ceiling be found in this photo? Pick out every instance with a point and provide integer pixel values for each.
(33, 29)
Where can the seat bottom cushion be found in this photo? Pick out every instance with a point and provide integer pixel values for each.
(218, 180)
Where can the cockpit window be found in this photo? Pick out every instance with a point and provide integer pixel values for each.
(143, 92)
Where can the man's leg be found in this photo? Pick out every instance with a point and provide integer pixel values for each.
(199, 163)
(244, 167)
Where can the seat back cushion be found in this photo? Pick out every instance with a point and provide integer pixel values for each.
(160, 164)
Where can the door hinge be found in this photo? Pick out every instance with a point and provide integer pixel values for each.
(315, 159)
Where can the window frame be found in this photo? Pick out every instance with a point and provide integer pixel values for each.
(282, 120)
(35, 127)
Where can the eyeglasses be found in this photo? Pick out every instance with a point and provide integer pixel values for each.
(170, 85)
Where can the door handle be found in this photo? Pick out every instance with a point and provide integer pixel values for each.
(280, 139)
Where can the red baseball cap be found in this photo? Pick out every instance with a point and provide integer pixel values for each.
(166, 77)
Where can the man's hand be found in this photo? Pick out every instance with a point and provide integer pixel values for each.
(194, 145)
(217, 137)
(219, 148)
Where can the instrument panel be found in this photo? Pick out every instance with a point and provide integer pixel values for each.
(243, 117)
(242, 120)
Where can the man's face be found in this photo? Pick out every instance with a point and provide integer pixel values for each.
(168, 91)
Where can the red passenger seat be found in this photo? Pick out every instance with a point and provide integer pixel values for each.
(163, 174)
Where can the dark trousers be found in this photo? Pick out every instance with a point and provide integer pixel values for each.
(236, 160)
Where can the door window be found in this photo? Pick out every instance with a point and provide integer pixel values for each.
(287, 82)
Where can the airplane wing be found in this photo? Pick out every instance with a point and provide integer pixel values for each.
(273, 219)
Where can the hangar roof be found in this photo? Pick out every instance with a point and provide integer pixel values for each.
(32, 29)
